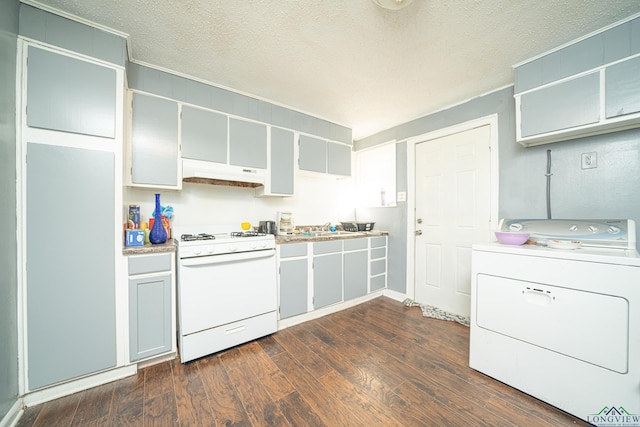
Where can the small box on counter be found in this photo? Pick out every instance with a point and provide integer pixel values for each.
(133, 222)
(134, 238)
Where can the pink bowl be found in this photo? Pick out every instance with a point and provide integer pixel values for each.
(511, 238)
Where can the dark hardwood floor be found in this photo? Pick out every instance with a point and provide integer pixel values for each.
(377, 364)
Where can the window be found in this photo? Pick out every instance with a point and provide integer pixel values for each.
(376, 176)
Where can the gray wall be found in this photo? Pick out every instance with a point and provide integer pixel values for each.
(608, 191)
(8, 262)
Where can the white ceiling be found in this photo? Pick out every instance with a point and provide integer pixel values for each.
(349, 61)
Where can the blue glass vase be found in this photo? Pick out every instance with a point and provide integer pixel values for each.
(158, 234)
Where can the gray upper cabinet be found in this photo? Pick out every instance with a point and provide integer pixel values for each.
(70, 95)
(154, 142)
(247, 144)
(282, 162)
(588, 87)
(318, 155)
(312, 154)
(203, 135)
(564, 105)
(622, 88)
(338, 159)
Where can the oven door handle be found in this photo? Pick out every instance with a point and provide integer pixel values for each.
(225, 258)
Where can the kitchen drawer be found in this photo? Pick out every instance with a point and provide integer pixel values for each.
(355, 244)
(142, 264)
(289, 250)
(226, 336)
(378, 253)
(377, 242)
(378, 267)
(327, 247)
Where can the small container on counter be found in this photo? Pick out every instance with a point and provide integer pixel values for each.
(133, 222)
(134, 238)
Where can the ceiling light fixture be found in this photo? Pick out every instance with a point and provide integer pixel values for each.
(393, 4)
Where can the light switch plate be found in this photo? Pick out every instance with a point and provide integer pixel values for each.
(589, 160)
(402, 196)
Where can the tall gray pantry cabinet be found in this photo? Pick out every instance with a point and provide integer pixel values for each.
(71, 145)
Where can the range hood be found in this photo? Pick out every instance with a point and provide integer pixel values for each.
(203, 172)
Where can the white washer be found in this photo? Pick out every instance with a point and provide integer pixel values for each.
(562, 325)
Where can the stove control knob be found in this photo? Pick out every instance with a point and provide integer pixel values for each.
(573, 228)
(196, 251)
(233, 248)
(209, 249)
(263, 245)
(613, 229)
(254, 245)
(592, 229)
(516, 226)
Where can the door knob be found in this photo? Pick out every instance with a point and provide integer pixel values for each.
(418, 232)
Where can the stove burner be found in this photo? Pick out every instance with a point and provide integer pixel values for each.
(192, 237)
(246, 234)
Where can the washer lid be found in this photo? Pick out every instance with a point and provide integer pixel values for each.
(614, 234)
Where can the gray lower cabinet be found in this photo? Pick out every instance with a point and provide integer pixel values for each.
(150, 305)
(70, 263)
(293, 287)
(327, 273)
(355, 269)
(342, 270)
(293, 279)
(355, 274)
(70, 94)
(154, 142)
(378, 263)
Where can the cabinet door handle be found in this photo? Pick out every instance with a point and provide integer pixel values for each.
(418, 232)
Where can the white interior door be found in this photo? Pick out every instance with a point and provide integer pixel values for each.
(453, 211)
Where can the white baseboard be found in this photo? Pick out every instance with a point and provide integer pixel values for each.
(315, 314)
(41, 396)
(13, 416)
(398, 296)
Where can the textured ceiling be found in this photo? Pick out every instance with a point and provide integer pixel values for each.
(349, 61)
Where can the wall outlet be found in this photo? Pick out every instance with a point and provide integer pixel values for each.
(589, 160)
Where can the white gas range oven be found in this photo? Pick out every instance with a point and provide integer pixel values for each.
(560, 319)
(227, 291)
